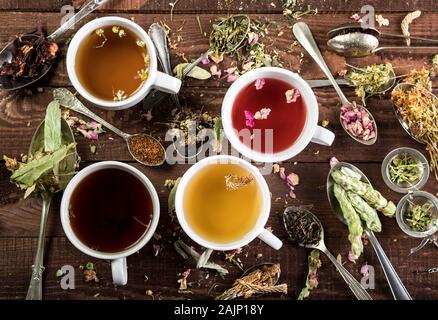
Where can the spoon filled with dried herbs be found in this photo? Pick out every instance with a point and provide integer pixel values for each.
(143, 147)
(305, 230)
(50, 164)
(356, 120)
(355, 203)
(30, 56)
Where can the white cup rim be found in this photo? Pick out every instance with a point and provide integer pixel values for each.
(65, 220)
(307, 95)
(265, 209)
(75, 43)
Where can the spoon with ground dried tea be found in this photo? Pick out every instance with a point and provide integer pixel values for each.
(143, 147)
(305, 230)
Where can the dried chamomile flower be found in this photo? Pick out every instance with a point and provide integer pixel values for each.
(119, 95)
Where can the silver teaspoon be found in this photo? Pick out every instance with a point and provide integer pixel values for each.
(6, 54)
(159, 38)
(305, 38)
(354, 285)
(397, 287)
(68, 100)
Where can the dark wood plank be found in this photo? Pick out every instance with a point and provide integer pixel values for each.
(190, 6)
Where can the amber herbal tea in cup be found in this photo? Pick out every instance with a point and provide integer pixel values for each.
(223, 203)
(112, 62)
(110, 210)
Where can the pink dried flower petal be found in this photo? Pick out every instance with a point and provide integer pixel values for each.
(292, 95)
(333, 162)
(157, 249)
(313, 279)
(93, 135)
(259, 83)
(292, 179)
(282, 174)
(148, 115)
(232, 77)
(355, 17)
(93, 124)
(231, 70)
(253, 38)
(292, 194)
(364, 270)
(249, 117)
(350, 257)
(205, 60)
(215, 71)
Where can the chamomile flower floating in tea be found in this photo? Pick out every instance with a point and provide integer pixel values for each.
(112, 63)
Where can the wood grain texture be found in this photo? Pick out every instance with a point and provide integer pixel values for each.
(189, 6)
(20, 113)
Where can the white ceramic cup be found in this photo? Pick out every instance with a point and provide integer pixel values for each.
(156, 79)
(118, 259)
(258, 229)
(310, 133)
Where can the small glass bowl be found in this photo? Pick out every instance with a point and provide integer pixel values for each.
(418, 198)
(406, 187)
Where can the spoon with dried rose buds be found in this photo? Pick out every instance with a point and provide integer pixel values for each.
(356, 120)
(144, 148)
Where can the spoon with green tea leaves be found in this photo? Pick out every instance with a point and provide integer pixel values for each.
(305, 230)
(357, 121)
(30, 56)
(50, 164)
(352, 198)
(143, 147)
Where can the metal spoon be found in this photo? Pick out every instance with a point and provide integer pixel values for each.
(304, 36)
(405, 126)
(159, 96)
(397, 287)
(355, 286)
(6, 54)
(360, 44)
(68, 100)
(159, 38)
(358, 27)
(260, 266)
(69, 164)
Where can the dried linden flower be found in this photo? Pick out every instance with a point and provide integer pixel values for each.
(141, 43)
(99, 32)
(120, 95)
(116, 29)
(122, 33)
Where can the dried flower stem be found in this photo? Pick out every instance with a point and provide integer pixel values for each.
(234, 182)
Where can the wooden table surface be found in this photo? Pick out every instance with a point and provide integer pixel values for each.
(21, 112)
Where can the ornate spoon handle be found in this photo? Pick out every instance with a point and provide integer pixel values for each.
(85, 11)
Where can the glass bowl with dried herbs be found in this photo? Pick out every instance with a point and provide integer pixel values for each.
(417, 214)
(405, 169)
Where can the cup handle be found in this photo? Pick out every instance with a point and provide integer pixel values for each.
(120, 271)
(323, 136)
(164, 82)
(271, 240)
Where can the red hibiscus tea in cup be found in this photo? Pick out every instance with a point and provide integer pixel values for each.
(274, 113)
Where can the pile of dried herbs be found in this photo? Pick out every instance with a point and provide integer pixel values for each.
(293, 11)
(186, 123)
(46, 170)
(260, 281)
(370, 80)
(30, 55)
(238, 36)
(314, 263)
(301, 226)
(418, 108)
(420, 218)
(405, 169)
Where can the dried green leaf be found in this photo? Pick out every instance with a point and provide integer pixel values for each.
(52, 127)
(196, 72)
